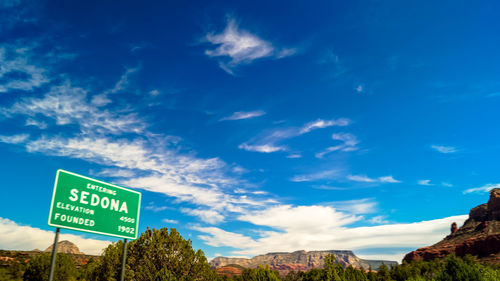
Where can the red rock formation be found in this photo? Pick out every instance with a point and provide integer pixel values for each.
(230, 271)
(298, 261)
(479, 236)
(454, 228)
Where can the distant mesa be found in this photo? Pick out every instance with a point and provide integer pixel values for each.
(65, 247)
(479, 236)
(296, 261)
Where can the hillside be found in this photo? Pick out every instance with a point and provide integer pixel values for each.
(479, 236)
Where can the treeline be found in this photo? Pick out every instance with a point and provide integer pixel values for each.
(163, 255)
(451, 268)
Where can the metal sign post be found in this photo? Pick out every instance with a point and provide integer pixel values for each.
(54, 255)
(124, 258)
(85, 204)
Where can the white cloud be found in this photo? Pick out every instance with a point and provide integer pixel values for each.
(14, 236)
(100, 100)
(359, 206)
(484, 188)
(207, 216)
(388, 179)
(363, 178)
(68, 105)
(397, 256)
(327, 174)
(236, 46)
(444, 149)
(360, 178)
(32, 76)
(219, 237)
(268, 141)
(37, 123)
(170, 221)
(124, 81)
(319, 124)
(265, 148)
(360, 88)
(378, 220)
(115, 173)
(319, 228)
(424, 182)
(154, 208)
(240, 115)
(349, 143)
(198, 181)
(14, 139)
(447, 184)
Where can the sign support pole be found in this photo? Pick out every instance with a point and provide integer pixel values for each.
(124, 258)
(54, 255)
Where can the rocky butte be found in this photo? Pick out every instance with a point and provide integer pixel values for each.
(479, 236)
(65, 247)
(295, 261)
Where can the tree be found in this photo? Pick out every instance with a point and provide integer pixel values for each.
(383, 273)
(39, 266)
(156, 255)
(258, 274)
(333, 270)
(88, 272)
(459, 270)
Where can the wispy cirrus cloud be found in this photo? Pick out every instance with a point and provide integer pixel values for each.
(320, 124)
(444, 149)
(170, 221)
(349, 143)
(484, 188)
(269, 141)
(33, 122)
(161, 164)
(356, 207)
(67, 104)
(327, 174)
(115, 173)
(14, 139)
(236, 46)
(424, 182)
(240, 115)
(207, 215)
(363, 178)
(264, 148)
(17, 73)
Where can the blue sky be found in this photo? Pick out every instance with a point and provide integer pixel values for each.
(254, 127)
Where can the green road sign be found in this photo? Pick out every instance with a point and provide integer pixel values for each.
(85, 204)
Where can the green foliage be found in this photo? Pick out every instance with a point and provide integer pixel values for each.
(39, 266)
(383, 273)
(13, 271)
(457, 269)
(155, 255)
(258, 274)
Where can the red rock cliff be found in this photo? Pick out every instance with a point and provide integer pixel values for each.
(479, 236)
